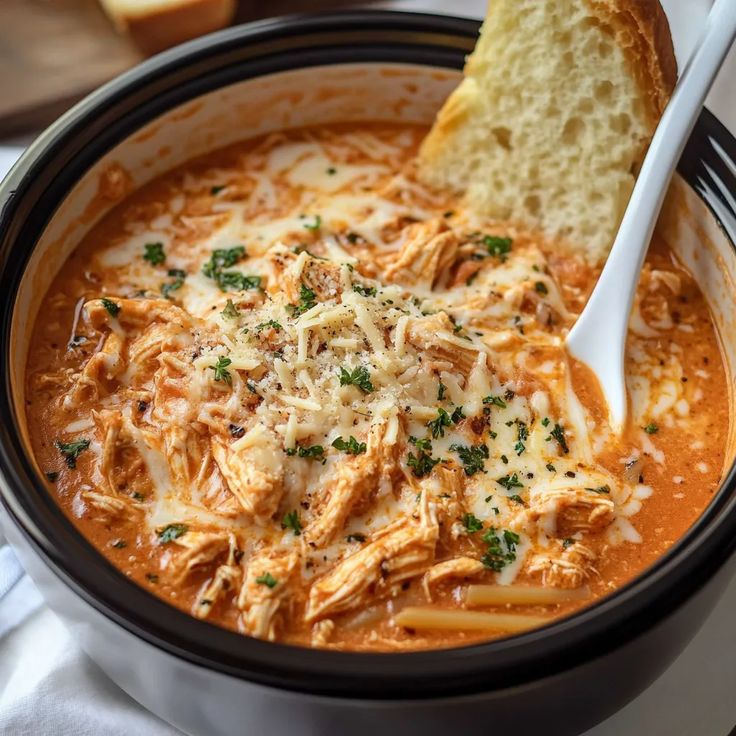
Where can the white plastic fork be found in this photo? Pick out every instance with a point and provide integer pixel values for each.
(598, 338)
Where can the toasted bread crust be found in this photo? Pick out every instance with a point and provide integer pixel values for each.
(643, 32)
(155, 30)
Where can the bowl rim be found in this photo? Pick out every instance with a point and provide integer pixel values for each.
(56, 160)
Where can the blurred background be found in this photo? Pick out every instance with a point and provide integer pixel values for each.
(53, 52)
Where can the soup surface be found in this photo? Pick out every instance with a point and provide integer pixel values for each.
(290, 391)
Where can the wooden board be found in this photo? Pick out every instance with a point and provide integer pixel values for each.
(53, 52)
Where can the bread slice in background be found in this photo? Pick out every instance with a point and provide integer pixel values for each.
(154, 25)
(559, 101)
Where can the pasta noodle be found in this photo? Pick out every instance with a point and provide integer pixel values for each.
(442, 618)
(522, 595)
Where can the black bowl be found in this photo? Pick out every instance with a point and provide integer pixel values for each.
(563, 677)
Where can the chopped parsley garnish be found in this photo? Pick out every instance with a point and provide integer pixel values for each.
(357, 537)
(352, 238)
(567, 542)
(271, 324)
(171, 532)
(216, 190)
(307, 299)
(113, 308)
(473, 457)
(600, 489)
(154, 253)
(230, 312)
(236, 431)
(516, 498)
(267, 579)
(313, 452)
(221, 371)
(52, 476)
(331, 171)
(472, 523)
(496, 401)
(421, 464)
(71, 451)
(437, 426)
(441, 391)
(501, 550)
(504, 460)
(120, 544)
(364, 290)
(222, 258)
(651, 428)
(351, 447)
(291, 521)
(174, 285)
(316, 225)
(510, 481)
(545, 422)
(424, 444)
(496, 246)
(551, 468)
(558, 433)
(457, 416)
(519, 447)
(359, 377)
(238, 281)
(541, 288)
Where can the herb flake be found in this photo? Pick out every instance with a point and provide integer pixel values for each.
(71, 451)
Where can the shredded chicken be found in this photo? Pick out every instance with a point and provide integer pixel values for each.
(565, 511)
(435, 335)
(111, 506)
(460, 567)
(566, 567)
(427, 255)
(226, 578)
(354, 482)
(404, 550)
(136, 313)
(109, 423)
(200, 549)
(319, 275)
(102, 367)
(256, 483)
(266, 588)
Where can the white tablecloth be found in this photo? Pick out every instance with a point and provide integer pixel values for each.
(48, 687)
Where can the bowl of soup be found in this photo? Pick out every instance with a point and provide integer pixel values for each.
(287, 434)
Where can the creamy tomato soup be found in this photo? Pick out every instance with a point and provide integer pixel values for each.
(292, 392)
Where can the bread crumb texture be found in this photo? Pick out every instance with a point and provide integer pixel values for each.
(554, 115)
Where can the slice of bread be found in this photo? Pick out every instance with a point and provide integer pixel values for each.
(559, 101)
(155, 25)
